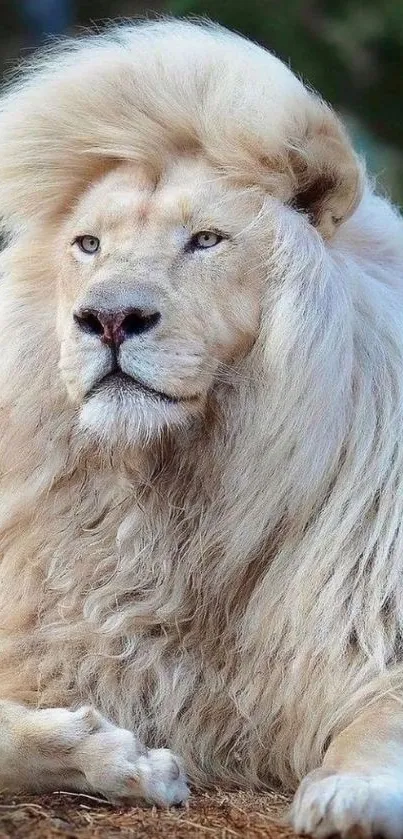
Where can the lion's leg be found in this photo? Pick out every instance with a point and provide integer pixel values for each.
(57, 748)
(359, 789)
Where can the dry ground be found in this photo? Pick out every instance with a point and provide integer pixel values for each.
(215, 815)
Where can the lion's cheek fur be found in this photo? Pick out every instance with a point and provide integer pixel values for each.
(80, 367)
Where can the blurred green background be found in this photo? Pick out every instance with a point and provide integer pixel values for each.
(350, 51)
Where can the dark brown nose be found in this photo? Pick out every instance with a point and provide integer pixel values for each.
(115, 327)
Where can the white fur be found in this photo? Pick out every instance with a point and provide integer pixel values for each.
(231, 584)
(328, 805)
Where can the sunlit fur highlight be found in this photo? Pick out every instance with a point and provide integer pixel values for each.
(233, 588)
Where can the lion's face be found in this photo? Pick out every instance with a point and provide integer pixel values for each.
(160, 290)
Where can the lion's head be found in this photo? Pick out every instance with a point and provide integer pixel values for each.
(160, 282)
(152, 164)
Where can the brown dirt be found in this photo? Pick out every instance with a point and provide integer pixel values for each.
(215, 815)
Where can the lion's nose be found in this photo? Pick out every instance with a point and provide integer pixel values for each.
(115, 327)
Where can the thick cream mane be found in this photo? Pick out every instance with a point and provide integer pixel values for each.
(213, 590)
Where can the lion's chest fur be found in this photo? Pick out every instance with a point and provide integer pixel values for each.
(122, 608)
(136, 601)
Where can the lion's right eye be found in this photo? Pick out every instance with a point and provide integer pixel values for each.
(87, 244)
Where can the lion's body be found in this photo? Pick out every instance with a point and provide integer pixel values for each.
(234, 588)
(190, 603)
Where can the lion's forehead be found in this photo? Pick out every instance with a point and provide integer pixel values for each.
(189, 195)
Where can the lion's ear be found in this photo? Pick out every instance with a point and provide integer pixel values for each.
(326, 173)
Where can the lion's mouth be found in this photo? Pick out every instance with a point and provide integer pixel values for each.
(123, 382)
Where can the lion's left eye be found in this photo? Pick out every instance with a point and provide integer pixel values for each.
(88, 244)
(205, 239)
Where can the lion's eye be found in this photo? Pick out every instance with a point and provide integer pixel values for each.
(205, 239)
(88, 244)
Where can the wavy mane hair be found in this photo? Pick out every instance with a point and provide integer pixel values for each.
(233, 590)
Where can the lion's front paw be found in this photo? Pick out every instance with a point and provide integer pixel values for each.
(116, 764)
(162, 777)
(329, 804)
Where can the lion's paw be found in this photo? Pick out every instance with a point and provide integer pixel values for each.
(116, 765)
(347, 805)
(162, 777)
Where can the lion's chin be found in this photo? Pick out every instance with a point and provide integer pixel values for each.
(122, 416)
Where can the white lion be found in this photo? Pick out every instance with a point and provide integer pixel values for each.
(202, 434)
